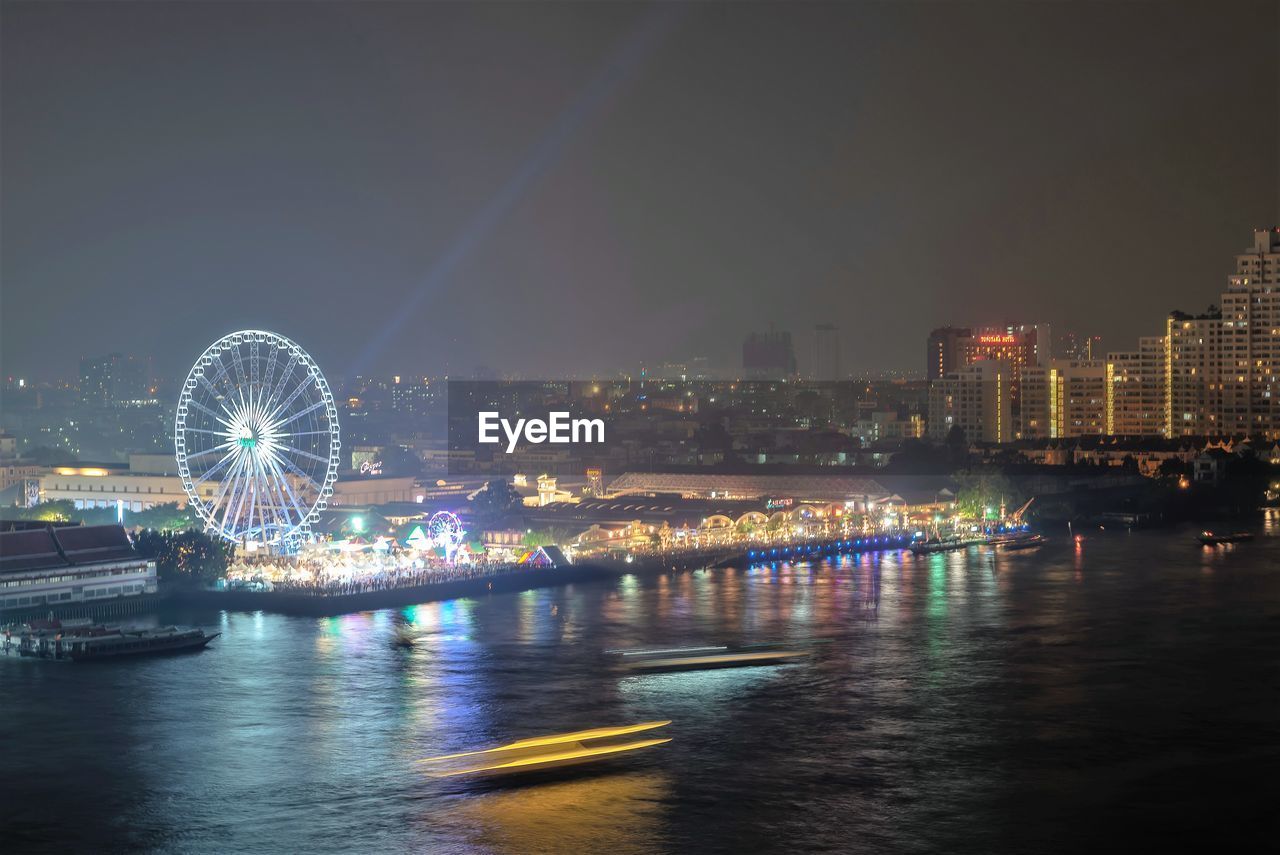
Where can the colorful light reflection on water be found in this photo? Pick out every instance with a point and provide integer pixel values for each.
(966, 701)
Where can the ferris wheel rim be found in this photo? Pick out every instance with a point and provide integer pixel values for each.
(257, 440)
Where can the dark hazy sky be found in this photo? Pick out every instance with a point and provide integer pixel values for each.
(559, 188)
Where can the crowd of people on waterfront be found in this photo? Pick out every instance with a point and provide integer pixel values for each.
(333, 573)
(389, 580)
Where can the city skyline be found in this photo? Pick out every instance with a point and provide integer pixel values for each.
(415, 228)
(813, 354)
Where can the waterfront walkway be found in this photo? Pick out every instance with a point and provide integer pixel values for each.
(314, 600)
(346, 598)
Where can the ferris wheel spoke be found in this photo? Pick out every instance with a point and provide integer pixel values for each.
(279, 508)
(230, 521)
(210, 386)
(283, 485)
(236, 497)
(293, 469)
(266, 497)
(217, 394)
(208, 473)
(283, 406)
(287, 495)
(255, 501)
(242, 406)
(216, 449)
(307, 454)
(251, 490)
(234, 385)
(262, 506)
(224, 487)
(293, 418)
(227, 487)
(278, 388)
(199, 406)
(219, 377)
(241, 521)
(238, 362)
(268, 375)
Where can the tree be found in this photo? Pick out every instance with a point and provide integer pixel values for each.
(185, 556)
(167, 517)
(55, 511)
(980, 489)
(554, 536)
(497, 499)
(957, 444)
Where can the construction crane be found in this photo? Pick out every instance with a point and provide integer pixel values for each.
(1016, 516)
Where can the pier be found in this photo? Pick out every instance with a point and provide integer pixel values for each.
(320, 603)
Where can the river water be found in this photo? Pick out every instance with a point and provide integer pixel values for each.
(1060, 699)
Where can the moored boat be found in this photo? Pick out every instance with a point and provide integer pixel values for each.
(135, 643)
(1029, 541)
(927, 547)
(81, 641)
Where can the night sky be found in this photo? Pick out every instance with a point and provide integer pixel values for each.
(562, 189)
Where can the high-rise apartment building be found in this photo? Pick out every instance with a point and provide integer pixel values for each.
(1079, 347)
(1065, 398)
(116, 380)
(1193, 391)
(974, 398)
(1136, 389)
(1250, 341)
(413, 396)
(768, 356)
(945, 353)
(826, 353)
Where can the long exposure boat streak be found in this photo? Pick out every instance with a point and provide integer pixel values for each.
(546, 752)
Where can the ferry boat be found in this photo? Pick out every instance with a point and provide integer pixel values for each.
(84, 642)
(136, 643)
(1209, 538)
(650, 660)
(546, 752)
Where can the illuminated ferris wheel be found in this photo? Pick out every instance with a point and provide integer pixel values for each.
(446, 532)
(256, 437)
